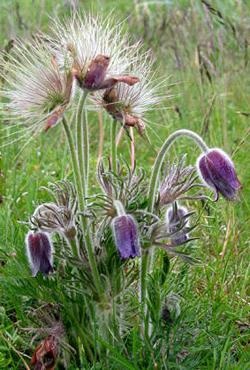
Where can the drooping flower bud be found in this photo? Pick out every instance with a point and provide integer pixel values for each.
(177, 223)
(40, 252)
(126, 236)
(217, 171)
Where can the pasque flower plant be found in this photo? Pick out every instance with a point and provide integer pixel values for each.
(114, 235)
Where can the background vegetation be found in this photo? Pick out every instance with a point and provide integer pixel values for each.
(204, 49)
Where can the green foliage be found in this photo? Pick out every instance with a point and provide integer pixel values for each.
(206, 321)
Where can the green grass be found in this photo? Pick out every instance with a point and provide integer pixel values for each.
(212, 330)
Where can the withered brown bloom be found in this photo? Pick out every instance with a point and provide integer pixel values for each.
(45, 354)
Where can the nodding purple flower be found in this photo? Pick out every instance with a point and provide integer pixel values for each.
(126, 236)
(40, 252)
(177, 224)
(217, 170)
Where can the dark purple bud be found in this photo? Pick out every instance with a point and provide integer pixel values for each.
(39, 251)
(217, 170)
(177, 224)
(126, 236)
(96, 73)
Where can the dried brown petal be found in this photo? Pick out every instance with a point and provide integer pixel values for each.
(45, 354)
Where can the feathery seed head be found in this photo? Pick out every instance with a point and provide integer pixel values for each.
(128, 102)
(95, 50)
(37, 90)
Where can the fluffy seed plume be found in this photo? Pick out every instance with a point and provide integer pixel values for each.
(129, 104)
(95, 50)
(37, 91)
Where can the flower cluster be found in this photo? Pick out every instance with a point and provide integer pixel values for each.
(89, 58)
(89, 53)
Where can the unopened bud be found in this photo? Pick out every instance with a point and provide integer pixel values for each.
(40, 252)
(217, 170)
(126, 236)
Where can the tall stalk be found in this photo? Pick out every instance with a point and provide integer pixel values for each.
(148, 256)
(113, 145)
(82, 141)
(132, 148)
(81, 203)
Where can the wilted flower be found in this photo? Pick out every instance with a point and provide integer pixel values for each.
(50, 217)
(96, 51)
(128, 104)
(40, 252)
(179, 179)
(177, 224)
(217, 171)
(125, 232)
(37, 91)
(45, 355)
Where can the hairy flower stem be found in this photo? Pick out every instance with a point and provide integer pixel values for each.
(160, 158)
(119, 208)
(113, 145)
(81, 202)
(76, 172)
(147, 257)
(132, 148)
(73, 243)
(82, 142)
(120, 212)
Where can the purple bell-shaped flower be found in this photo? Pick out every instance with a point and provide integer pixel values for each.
(217, 171)
(40, 252)
(125, 232)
